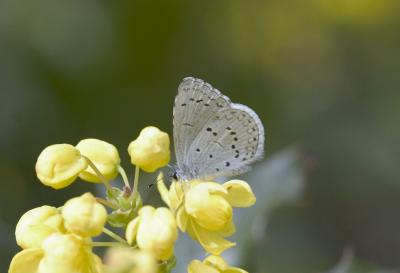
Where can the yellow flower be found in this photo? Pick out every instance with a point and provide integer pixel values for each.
(204, 209)
(128, 260)
(154, 230)
(59, 165)
(212, 264)
(150, 150)
(37, 224)
(61, 253)
(84, 216)
(68, 253)
(104, 156)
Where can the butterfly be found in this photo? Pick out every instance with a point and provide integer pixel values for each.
(213, 137)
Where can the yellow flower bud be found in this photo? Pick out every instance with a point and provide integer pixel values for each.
(128, 260)
(65, 253)
(84, 216)
(37, 224)
(150, 150)
(59, 165)
(61, 253)
(104, 156)
(154, 230)
(212, 264)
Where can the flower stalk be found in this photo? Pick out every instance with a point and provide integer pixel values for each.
(104, 244)
(98, 173)
(124, 176)
(136, 182)
(115, 236)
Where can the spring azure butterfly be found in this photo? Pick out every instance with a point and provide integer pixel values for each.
(212, 136)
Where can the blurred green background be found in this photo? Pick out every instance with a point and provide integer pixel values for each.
(321, 74)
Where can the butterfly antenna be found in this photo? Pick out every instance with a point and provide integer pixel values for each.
(152, 184)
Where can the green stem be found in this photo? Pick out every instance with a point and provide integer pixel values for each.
(98, 173)
(114, 236)
(106, 203)
(124, 176)
(104, 244)
(136, 181)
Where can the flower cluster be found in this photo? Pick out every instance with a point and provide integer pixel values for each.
(61, 239)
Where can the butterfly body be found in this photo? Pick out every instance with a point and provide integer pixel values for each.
(213, 137)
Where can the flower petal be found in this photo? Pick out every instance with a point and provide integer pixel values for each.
(97, 264)
(68, 253)
(157, 231)
(182, 219)
(212, 242)
(59, 165)
(176, 194)
(84, 216)
(210, 211)
(229, 229)
(26, 261)
(36, 224)
(216, 189)
(162, 189)
(216, 262)
(103, 155)
(239, 193)
(131, 230)
(196, 266)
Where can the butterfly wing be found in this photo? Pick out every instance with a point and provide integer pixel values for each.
(228, 143)
(214, 137)
(195, 104)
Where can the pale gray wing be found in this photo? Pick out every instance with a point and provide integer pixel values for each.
(230, 141)
(195, 104)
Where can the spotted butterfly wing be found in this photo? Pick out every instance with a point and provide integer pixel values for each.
(212, 136)
(195, 103)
